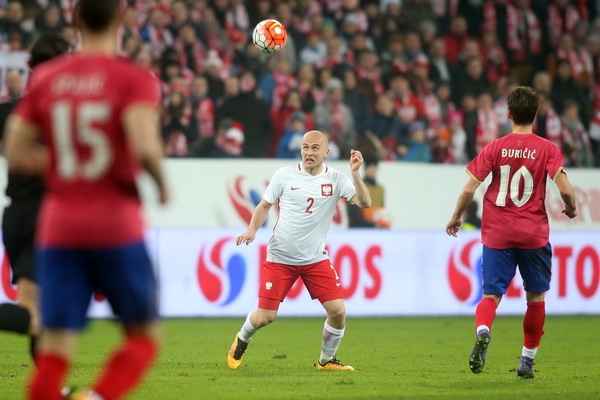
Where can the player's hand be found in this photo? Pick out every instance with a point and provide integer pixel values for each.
(453, 226)
(356, 159)
(163, 196)
(246, 237)
(570, 213)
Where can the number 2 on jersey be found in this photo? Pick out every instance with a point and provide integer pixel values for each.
(86, 115)
(310, 201)
(513, 186)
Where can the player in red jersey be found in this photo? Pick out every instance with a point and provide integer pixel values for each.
(96, 117)
(514, 227)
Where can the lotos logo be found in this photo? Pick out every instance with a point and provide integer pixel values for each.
(464, 272)
(221, 272)
(243, 202)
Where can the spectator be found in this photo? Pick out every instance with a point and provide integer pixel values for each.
(156, 32)
(212, 72)
(542, 82)
(565, 87)
(525, 45)
(191, 52)
(313, 52)
(494, 58)
(253, 114)
(282, 118)
(384, 128)
(307, 86)
(14, 85)
(211, 32)
(15, 28)
(578, 148)
(290, 143)
(415, 12)
(419, 149)
(227, 142)
(579, 59)
(176, 125)
(334, 117)
(472, 80)
(470, 123)
(179, 17)
(444, 11)
(376, 216)
(393, 59)
(203, 108)
(456, 39)
(440, 68)
(488, 128)
(356, 101)
(547, 123)
(443, 93)
(413, 47)
(498, 19)
(50, 20)
(273, 87)
(562, 18)
(458, 139)
(409, 107)
(503, 87)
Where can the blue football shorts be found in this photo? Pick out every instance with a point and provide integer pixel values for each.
(499, 268)
(69, 277)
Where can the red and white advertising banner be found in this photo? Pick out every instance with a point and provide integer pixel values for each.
(203, 273)
(222, 193)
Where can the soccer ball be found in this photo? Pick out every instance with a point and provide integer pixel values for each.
(269, 36)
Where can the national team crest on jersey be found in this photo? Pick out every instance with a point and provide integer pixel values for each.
(326, 189)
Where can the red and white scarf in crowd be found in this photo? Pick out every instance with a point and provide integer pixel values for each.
(283, 84)
(595, 124)
(557, 23)
(433, 110)
(554, 129)
(205, 115)
(337, 123)
(516, 25)
(409, 108)
(159, 40)
(444, 7)
(198, 51)
(237, 18)
(487, 128)
(143, 8)
(580, 61)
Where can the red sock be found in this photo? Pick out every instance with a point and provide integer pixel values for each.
(48, 377)
(485, 313)
(126, 368)
(533, 324)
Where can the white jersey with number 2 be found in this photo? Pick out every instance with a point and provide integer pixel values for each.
(306, 207)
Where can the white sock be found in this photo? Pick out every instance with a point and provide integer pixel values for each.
(482, 328)
(248, 330)
(529, 352)
(331, 341)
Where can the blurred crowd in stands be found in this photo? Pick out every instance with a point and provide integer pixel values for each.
(413, 80)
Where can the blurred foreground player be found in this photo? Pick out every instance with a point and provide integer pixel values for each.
(20, 217)
(97, 117)
(514, 228)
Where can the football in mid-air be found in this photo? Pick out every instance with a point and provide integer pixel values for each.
(269, 36)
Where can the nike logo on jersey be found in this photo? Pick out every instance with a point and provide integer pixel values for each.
(338, 284)
(294, 188)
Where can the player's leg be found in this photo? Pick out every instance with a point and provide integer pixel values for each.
(66, 292)
(126, 277)
(18, 233)
(535, 269)
(498, 268)
(323, 283)
(275, 282)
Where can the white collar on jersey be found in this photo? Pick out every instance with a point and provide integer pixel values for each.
(323, 171)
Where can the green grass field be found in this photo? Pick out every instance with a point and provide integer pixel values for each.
(394, 358)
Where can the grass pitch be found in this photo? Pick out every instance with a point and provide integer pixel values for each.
(395, 358)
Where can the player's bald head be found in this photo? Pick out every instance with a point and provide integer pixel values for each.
(315, 137)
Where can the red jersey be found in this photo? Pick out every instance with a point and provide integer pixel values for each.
(514, 209)
(77, 102)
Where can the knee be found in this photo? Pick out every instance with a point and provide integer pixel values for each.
(337, 313)
(534, 297)
(260, 319)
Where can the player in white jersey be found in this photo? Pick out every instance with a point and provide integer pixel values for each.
(307, 193)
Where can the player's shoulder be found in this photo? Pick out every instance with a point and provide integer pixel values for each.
(288, 170)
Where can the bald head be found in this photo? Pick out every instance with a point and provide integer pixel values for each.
(315, 137)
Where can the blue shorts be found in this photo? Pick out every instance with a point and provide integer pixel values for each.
(69, 277)
(499, 268)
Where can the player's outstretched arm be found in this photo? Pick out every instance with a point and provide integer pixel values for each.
(464, 199)
(24, 154)
(362, 198)
(259, 216)
(567, 193)
(141, 122)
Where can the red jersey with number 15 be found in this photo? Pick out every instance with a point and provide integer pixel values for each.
(77, 102)
(514, 209)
